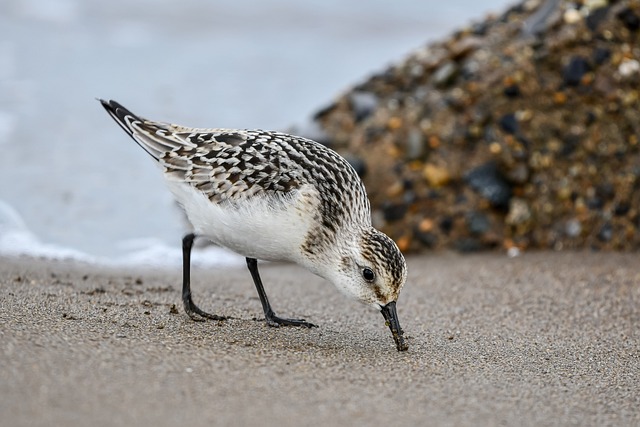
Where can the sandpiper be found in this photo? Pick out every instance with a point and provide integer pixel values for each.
(272, 196)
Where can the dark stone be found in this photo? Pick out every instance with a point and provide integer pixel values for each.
(591, 118)
(490, 184)
(621, 154)
(606, 191)
(621, 209)
(468, 71)
(512, 91)
(574, 196)
(445, 75)
(427, 238)
(478, 223)
(596, 17)
(575, 70)
(357, 164)
(480, 28)
(460, 199)
(407, 184)
(394, 211)
(629, 19)
(595, 203)
(373, 132)
(446, 225)
(570, 143)
(363, 105)
(409, 197)
(509, 123)
(606, 232)
(434, 194)
(466, 245)
(516, 9)
(324, 111)
(490, 133)
(601, 55)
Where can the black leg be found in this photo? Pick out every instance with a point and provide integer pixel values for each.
(270, 316)
(189, 307)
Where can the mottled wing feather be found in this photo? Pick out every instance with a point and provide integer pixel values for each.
(226, 165)
(225, 172)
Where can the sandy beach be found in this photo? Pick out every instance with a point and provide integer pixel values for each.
(542, 339)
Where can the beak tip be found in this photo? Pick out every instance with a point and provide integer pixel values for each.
(402, 346)
(398, 337)
(391, 319)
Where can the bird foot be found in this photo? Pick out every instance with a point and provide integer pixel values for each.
(275, 322)
(198, 315)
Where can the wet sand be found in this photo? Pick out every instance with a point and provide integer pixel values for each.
(543, 339)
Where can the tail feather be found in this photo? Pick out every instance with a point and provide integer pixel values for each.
(154, 138)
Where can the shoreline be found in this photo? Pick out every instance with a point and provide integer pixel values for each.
(542, 339)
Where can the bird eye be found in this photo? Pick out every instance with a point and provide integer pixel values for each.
(368, 274)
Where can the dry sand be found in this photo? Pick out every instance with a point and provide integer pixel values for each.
(544, 339)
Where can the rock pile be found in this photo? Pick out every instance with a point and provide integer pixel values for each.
(521, 131)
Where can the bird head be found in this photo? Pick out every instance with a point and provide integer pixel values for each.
(372, 269)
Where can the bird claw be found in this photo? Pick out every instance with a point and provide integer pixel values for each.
(275, 322)
(198, 315)
(204, 316)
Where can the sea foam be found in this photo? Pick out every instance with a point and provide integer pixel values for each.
(16, 239)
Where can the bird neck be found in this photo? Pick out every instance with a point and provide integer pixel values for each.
(328, 258)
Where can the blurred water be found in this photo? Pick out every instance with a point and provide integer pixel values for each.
(72, 181)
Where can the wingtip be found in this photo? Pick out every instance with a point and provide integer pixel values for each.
(130, 123)
(110, 105)
(121, 115)
(117, 110)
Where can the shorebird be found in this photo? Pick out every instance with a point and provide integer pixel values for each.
(276, 197)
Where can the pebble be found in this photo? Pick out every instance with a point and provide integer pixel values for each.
(573, 228)
(596, 16)
(445, 74)
(512, 91)
(435, 175)
(415, 144)
(394, 211)
(628, 67)
(606, 232)
(629, 18)
(488, 182)
(427, 239)
(621, 209)
(601, 55)
(575, 71)
(519, 212)
(595, 4)
(509, 123)
(363, 104)
(478, 223)
(572, 16)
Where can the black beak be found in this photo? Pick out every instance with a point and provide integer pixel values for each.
(391, 316)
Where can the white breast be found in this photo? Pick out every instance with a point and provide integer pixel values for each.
(254, 227)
